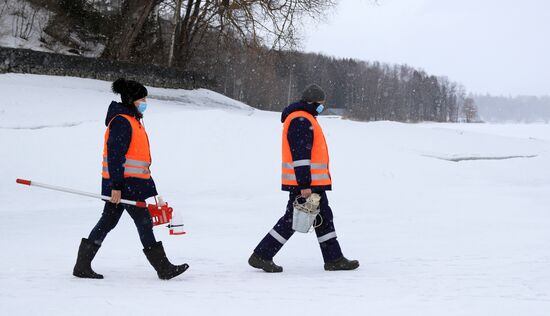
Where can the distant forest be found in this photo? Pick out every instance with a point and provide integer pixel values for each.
(248, 48)
(365, 91)
(526, 109)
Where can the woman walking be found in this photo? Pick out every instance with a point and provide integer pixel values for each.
(126, 174)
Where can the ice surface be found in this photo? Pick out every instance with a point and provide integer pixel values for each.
(434, 237)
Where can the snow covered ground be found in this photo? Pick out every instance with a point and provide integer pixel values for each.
(435, 232)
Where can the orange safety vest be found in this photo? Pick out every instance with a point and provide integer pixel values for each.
(138, 157)
(319, 163)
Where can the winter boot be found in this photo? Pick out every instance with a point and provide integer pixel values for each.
(157, 258)
(264, 264)
(341, 264)
(83, 266)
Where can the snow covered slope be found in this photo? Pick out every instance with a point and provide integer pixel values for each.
(22, 25)
(436, 232)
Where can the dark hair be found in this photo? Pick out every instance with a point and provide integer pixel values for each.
(129, 91)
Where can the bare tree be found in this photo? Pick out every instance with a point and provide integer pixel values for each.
(3, 7)
(469, 110)
(177, 26)
(25, 19)
(134, 15)
(253, 22)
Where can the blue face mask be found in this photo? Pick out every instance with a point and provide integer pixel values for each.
(320, 108)
(142, 107)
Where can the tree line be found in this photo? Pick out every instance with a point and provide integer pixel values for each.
(525, 109)
(366, 91)
(248, 48)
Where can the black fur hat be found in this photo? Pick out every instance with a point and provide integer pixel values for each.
(129, 90)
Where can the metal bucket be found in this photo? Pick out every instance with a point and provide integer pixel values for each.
(304, 214)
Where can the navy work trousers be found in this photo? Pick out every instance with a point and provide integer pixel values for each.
(110, 217)
(282, 231)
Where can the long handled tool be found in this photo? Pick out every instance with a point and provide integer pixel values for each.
(160, 214)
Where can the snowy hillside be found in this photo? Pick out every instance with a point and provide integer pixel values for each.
(446, 219)
(23, 25)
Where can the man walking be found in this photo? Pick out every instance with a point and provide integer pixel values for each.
(305, 170)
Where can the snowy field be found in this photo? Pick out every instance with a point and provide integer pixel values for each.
(436, 232)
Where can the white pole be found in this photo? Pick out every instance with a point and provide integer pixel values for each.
(72, 191)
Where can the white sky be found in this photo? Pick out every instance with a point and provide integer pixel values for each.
(501, 47)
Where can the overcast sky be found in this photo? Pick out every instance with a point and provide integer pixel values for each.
(497, 46)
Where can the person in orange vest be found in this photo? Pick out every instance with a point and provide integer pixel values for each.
(305, 170)
(126, 175)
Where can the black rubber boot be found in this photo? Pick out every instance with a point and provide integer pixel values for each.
(264, 264)
(157, 258)
(83, 266)
(341, 264)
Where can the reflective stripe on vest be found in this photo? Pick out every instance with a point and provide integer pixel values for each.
(131, 166)
(138, 156)
(323, 176)
(319, 162)
(133, 162)
(300, 163)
